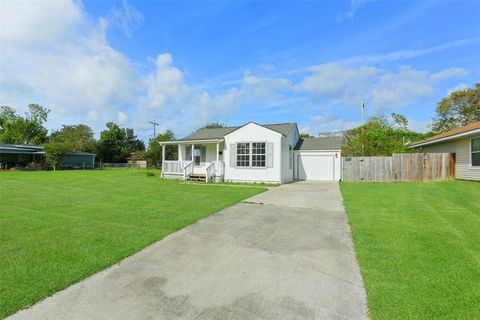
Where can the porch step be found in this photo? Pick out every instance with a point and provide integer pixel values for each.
(197, 177)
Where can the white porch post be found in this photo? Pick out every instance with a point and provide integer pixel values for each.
(218, 147)
(193, 148)
(163, 158)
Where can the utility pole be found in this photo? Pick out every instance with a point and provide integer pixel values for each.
(363, 124)
(154, 127)
(363, 113)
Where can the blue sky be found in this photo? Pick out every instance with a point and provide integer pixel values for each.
(187, 63)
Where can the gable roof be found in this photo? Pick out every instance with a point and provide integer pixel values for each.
(219, 133)
(320, 143)
(449, 135)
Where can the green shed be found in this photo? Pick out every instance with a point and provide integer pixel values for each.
(78, 160)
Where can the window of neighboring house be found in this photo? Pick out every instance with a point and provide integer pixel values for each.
(475, 149)
(258, 154)
(290, 157)
(243, 154)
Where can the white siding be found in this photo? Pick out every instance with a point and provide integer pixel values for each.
(253, 133)
(291, 139)
(461, 148)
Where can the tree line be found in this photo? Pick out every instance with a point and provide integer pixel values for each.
(382, 137)
(115, 144)
(378, 137)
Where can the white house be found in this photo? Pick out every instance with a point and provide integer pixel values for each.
(272, 153)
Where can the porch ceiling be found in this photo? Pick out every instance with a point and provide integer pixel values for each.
(189, 142)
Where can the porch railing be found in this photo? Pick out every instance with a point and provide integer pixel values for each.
(174, 167)
(210, 171)
(214, 168)
(188, 169)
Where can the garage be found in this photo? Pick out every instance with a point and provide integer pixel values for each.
(318, 159)
(316, 167)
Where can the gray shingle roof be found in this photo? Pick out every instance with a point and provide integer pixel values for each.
(214, 133)
(218, 133)
(322, 143)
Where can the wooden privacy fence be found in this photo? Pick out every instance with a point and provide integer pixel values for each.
(400, 167)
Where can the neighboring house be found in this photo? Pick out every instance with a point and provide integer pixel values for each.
(21, 155)
(464, 142)
(272, 153)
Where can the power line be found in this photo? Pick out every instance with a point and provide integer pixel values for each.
(154, 127)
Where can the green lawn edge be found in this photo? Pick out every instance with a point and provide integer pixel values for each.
(418, 247)
(58, 228)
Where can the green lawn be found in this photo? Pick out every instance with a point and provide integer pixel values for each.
(418, 245)
(59, 227)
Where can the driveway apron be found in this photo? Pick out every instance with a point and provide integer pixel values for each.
(283, 254)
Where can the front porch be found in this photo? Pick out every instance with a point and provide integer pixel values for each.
(197, 161)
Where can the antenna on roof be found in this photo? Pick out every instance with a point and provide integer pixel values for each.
(154, 127)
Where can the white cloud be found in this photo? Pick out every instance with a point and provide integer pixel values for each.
(334, 81)
(460, 86)
(126, 18)
(448, 74)
(409, 54)
(171, 98)
(166, 86)
(329, 122)
(32, 23)
(382, 89)
(52, 54)
(354, 5)
(122, 118)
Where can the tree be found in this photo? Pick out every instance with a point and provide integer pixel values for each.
(116, 144)
(154, 151)
(213, 125)
(305, 135)
(77, 137)
(378, 137)
(460, 108)
(24, 130)
(54, 152)
(400, 121)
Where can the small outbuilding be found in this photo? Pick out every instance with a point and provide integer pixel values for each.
(32, 156)
(464, 143)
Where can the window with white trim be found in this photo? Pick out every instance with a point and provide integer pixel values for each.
(475, 150)
(251, 154)
(243, 154)
(258, 154)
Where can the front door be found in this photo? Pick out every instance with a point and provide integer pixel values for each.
(199, 155)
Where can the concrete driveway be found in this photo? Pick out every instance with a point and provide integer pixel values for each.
(283, 254)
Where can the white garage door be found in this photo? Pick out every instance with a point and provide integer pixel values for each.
(316, 167)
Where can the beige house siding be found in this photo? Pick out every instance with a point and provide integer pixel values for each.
(461, 148)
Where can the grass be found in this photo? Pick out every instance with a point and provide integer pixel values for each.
(418, 246)
(57, 228)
